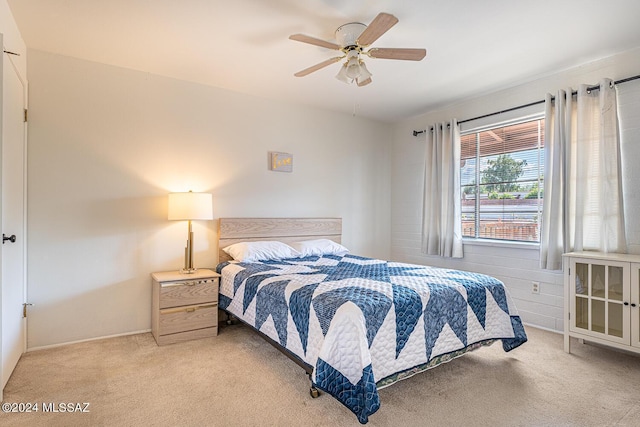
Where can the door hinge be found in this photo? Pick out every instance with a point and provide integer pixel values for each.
(26, 115)
(24, 309)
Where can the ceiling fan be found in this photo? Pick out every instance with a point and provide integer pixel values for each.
(353, 39)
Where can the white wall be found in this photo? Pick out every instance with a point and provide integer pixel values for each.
(107, 144)
(516, 266)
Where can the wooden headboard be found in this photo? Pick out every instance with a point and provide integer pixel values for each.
(287, 230)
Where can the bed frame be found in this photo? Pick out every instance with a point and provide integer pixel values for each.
(286, 230)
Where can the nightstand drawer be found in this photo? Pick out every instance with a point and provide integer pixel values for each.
(188, 292)
(180, 319)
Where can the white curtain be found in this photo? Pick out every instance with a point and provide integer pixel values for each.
(555, 208)
(583, 205)
(441, 213)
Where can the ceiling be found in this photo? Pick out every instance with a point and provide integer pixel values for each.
(473, 47)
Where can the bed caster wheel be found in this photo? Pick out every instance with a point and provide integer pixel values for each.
(229, 320)
(314, 392)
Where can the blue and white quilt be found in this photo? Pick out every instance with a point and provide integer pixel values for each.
(363, 323)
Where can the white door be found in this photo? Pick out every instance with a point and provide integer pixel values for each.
(13, 218)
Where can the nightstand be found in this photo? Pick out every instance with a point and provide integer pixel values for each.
(185, 306)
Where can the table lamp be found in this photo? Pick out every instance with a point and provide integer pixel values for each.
(190, 207)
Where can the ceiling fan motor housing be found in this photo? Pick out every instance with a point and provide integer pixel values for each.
(347, 34)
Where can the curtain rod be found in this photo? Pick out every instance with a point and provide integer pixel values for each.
(628, 79)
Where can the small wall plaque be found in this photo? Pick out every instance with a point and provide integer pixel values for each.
(280, 162)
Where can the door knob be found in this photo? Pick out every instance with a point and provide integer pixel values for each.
(11, 238)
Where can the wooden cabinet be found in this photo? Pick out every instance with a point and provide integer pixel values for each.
(602, 299)
(185, 306)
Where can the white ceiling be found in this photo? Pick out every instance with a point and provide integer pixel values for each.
(473, 47)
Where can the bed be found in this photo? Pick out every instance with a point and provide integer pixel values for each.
(356, 324)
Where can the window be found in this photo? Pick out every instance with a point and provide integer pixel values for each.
(501, 178)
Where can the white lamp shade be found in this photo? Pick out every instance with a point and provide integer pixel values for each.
(190, 206)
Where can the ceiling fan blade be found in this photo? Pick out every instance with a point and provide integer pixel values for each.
(365, 82)
(380, 25)
(318, 66)
(398, 53)
(314, 41)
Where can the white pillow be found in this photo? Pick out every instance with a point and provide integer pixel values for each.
(319, 247)
(260, 251)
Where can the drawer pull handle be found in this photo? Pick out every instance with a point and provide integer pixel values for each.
(206, 306)
(173, 284)
(187, 309)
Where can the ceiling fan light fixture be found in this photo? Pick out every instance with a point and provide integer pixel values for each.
(353, 68)
(364, 72)
(353, 64)
(342, 74)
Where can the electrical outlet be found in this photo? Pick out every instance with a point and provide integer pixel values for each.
(535, 287)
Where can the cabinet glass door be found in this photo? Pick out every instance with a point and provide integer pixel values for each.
(613, 296)
(582, 295)
(599, 299)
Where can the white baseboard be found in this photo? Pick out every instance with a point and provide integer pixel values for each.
(44, 347)
(529, 325)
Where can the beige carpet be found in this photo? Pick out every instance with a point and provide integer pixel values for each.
(237, 379)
